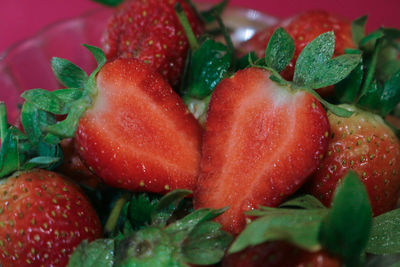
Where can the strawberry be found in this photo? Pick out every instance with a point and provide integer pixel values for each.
(365, 144)
(150, 31)
(132, 129)
(279, 254)
(262, 152)
(264, 135)
(73, 167)
(304, 28)
(43, 217)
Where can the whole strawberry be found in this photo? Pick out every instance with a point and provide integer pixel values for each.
(276, 254)
(304, 28)
(364, 142)
(43, 217)
(149, 30)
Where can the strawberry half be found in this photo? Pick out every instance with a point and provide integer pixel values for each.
(261, 142)
(43, 217)
(132, 129)
(264, 135)
(149, 30)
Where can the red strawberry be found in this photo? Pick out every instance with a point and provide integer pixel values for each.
(366, 145)
(138, 133)
(150, 31)
(43, 217)
(278, 254)
(261, 142)
(73, 167)
(304, 28)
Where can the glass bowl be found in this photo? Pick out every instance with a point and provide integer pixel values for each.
(26, 65)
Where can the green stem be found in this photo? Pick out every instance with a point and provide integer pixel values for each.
(186, 27)
(3, 121)
(228, 39)
(115, 212)
(371, 70)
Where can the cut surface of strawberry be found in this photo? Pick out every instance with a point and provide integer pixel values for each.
(261, 142)
(43, 218)
(150, 31)
(138, 134)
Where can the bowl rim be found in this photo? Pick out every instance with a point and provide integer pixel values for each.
(14, 46)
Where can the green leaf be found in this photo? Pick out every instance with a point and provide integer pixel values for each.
(345, 230)
(180, 229)
(206, 244)
(333, 71)
(209, 64)
(391, 33)
(383, 261)
(247, 60)
(210, 15)
(109, 2)
(390, 97)
(314, 55)
(97, 253)
(303, 202)
(45, 100)
(67, 73)
(358, 29)
(67, 127)
(35, 121)
(371, 39)
(140, 209)
(39, 162)
(167, 205)
(347, 90)
(296, 226)
(68, 95)
(280, 50)
(98, 55)
(385, 234)
(10, 157)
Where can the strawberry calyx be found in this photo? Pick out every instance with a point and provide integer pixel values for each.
(24, 151)
(72, 101)
(315, 68)
(163, 238)
(373, 85)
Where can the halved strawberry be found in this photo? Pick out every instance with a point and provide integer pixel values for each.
(149, 30)
(265, 135)
(132, 129)
(43, 217)
(261, 142)
(138, 133)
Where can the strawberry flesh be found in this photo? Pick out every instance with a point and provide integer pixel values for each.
(260, 144)
(138, 134)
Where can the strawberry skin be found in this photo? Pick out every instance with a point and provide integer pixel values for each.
(138, 134)
(304, 28)
(260, 144)
(43, 217)
(277, 254)
(150, 31)
(366, 145)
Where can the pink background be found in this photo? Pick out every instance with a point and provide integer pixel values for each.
(20, 19)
